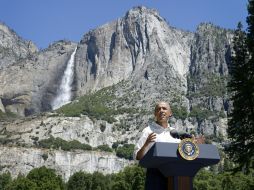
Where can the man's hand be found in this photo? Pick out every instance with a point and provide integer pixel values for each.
(151, 138)
(200, 139)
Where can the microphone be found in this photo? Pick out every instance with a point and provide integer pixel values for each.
(174, 134)
(185, 135)
(179, 135)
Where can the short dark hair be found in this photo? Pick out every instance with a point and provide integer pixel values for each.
(157, 104)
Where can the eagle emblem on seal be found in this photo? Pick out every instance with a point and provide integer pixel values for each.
(188, 149)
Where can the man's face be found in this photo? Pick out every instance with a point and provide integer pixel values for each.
(162, 112)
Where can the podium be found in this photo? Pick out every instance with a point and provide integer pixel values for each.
(180, 172)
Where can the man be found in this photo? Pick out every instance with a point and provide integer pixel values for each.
(158, 131)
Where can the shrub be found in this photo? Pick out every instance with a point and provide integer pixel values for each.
(7, 115)
(80, 180)
(5, 140)
(22, 183)
(45, 178)
(102, 127)
(199, 113)
(95, 106)
(125, 151)
(57, 143)
(179, 112)
(44, 156)
(5, 179)
(105, 148)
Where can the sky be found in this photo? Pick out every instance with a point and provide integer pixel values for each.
(46, 21)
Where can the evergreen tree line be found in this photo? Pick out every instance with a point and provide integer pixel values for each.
(131, 178)
(241, 87)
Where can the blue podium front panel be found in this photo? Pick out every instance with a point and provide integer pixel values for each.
(166, 158)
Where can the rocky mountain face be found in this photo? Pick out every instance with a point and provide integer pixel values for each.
(131, 47)
(27, 132)
(138, 60)
(12, 47)
(208, 76)
(29, 85)
(22, 160)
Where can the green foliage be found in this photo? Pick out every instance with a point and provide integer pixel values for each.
(237, 181)
(77, 145)
(125, 151)
(115, 145)
(130, 178)
(199, 113)
(7, 115)
(213, 138)
(102, 127)
(179, 112)
(5, 179)
(215, 86)
(85, 181)
(22, 183)
(212, 85)
(5, 140)
(222, 114)
(2, 115)
(250, 29)
(80, 181)
(57, 143)
(121, 185)
(99, 182)
(206, 180)
(105, 148)
(95, 105)
(227, 166)
(45, 179)
(45, 156)
(241, 86)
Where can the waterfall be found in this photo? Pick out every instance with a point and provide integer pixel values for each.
(64, 92)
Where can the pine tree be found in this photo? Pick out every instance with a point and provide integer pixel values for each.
(241, 86)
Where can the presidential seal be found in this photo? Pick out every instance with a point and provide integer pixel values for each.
(188, 149)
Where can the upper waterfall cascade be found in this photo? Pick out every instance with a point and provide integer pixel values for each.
(64, 92)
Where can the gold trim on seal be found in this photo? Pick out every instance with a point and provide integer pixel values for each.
(188, 149)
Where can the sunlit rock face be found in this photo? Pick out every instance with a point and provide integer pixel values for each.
(12, 47)
(93, 132)
(20, 138)
(29, 85)
(127, 47)
(22, 160)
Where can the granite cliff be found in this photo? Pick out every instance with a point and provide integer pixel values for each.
(29, 84)
(18, 160)
(12, 47)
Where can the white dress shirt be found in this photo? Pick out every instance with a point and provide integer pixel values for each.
(162, 135)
